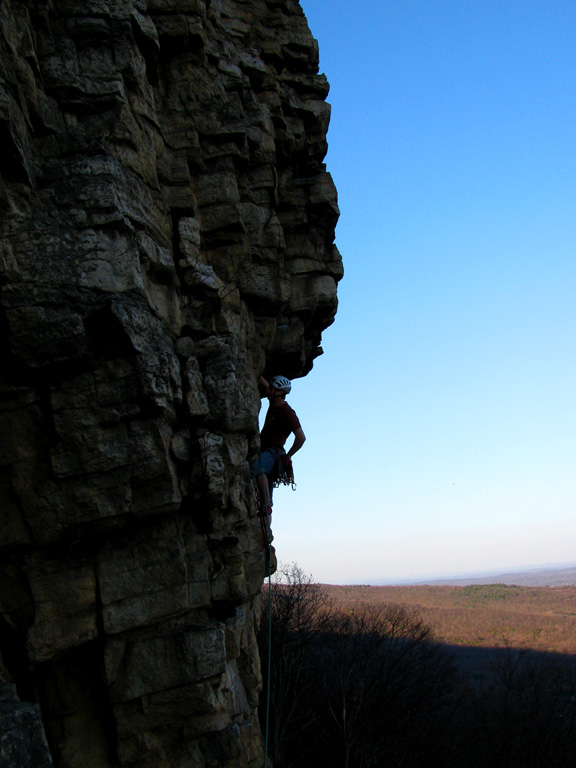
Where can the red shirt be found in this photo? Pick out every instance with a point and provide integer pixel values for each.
(279, 423)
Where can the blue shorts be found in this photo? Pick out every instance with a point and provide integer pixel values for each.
(264, 465)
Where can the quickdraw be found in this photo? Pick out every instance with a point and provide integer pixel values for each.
(283, 472)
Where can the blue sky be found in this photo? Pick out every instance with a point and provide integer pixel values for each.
(441, 419)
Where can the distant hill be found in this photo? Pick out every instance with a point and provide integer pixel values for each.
(538, 577)
(493, 615)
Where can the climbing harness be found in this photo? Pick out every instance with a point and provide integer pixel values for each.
(283, 471)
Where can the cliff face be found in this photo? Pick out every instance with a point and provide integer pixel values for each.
(167, 229)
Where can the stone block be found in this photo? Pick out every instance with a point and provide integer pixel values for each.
(221, 217)
(189, 233)
(323, 192)
(18, 154)
(201, 276)
(230, 582)
(199, 593)
(22, 739)
(262, 226)
(217, 188)
(146, 608)
(173, 31)
(211, 452)
(151, 665)
(265, 289)
(145, 32)
(173, 167)
(180, 446)
(13, 527)
(142, 584)
(64, 594)
(178, 197)
(43, 335)
(20, 435)
(288, 339)
(196, 7)
(155, 724)
(311, 291)
(195, 396)
(16, 604)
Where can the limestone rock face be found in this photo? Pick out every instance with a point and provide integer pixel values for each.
(166, 235)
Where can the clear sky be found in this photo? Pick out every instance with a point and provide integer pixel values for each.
(441, 419)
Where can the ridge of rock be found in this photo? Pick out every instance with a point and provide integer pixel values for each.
(166, 235)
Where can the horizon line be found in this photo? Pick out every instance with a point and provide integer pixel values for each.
(458, 575)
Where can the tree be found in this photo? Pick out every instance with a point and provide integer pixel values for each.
(526, 717)
(295, 614)
(363, 688)
(387, 689)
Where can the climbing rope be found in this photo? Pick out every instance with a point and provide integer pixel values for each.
(267, 725)
(263, 510)
(283, 475)
(262, 514)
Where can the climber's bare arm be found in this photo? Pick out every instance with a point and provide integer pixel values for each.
(299, 440)
(263, 386)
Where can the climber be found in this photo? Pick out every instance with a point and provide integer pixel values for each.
(280, 422)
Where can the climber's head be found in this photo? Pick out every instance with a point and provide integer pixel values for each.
(281, 383)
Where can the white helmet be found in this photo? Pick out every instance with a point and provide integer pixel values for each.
(282, 383)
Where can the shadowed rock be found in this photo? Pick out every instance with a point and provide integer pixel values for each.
(166, 235)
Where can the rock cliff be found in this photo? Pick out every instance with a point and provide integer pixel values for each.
(167, 235)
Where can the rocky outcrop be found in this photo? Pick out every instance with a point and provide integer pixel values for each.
(22, 738)
(167, 229)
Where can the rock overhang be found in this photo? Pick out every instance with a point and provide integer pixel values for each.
(167, 235)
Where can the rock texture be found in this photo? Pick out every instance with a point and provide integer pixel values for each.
(22, 738)
(167, 229)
